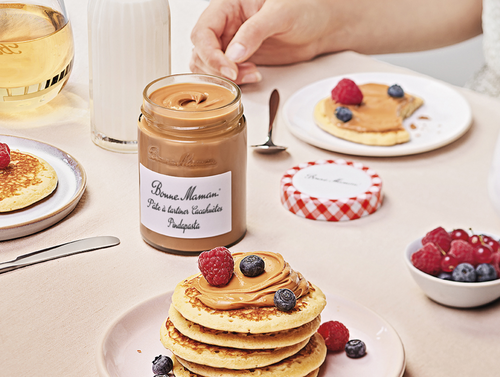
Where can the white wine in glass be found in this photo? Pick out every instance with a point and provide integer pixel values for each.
(36, 53)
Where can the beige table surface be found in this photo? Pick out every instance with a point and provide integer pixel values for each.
(52, 314)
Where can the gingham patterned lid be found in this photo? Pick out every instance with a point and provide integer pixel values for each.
(331, 190)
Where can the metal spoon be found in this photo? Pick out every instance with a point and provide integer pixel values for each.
(269, 146)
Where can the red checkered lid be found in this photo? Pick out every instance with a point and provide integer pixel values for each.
(331, 190)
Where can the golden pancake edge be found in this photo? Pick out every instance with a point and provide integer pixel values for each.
(233, 339)
(252, 320)
(220, 356)
(304, 363)
(27, 180)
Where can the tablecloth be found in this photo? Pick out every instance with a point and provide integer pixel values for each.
(52, 314)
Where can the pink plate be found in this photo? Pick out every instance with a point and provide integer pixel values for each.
(132, 341)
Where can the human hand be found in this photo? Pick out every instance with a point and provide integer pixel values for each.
(233, 36)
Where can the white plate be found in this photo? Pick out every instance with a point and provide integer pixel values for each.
(452, 293)
(132, 341)
(70, 187)
(449, 115)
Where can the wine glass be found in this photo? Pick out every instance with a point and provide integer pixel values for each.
(36, 52)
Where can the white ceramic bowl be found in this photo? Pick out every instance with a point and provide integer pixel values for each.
(451, 293)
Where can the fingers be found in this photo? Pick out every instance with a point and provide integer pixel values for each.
(242, 27)
(253, 32)
(247, 72)
(207, 36)
(207, 57)
(212, 62)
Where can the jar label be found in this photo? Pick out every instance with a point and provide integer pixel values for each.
(185, 207)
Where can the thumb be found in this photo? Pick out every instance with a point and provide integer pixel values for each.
(251, 34)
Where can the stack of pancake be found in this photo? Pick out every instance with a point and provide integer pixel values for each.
(242, 333)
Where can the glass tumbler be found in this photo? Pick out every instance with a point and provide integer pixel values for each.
(36, 52)
(129, 46)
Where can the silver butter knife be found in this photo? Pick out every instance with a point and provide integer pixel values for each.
(59, 251)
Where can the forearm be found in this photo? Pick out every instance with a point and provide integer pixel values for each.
(385, 26)
(233, 36)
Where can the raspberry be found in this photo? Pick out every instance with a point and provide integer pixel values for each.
(462, 251)
(427, 259)
(439, 237)
(336, 335)
(4, 155)
(347, 93)
(217, 266)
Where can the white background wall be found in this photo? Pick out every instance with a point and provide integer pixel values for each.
(454, 64)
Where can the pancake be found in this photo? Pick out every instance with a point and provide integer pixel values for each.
(254, 320)
(180, 371)
(306, 361)
(27, 180)
(222, 357)
(243, 340)
(377, 121)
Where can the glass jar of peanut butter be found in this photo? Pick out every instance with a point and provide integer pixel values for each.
(192, 163)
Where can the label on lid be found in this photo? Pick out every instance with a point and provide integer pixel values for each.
(331, 190)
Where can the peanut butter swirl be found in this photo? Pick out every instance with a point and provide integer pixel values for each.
(243, 291)
(192, 97)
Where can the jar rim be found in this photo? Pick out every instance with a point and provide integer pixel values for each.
(210, 80)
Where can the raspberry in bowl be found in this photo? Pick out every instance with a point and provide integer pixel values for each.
(455, 267)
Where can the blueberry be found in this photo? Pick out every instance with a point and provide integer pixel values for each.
(162, 365)
(343, 113)
(252, 265)
(396, 91)
(284, 299)
(486, 272)
(445, 276)
(464, 272)
(355, 348)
